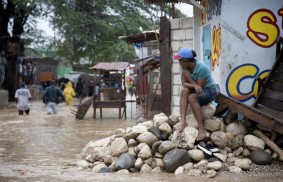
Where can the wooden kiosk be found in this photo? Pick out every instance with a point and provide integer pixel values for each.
(110, 80)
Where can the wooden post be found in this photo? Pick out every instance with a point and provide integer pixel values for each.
(165, 65)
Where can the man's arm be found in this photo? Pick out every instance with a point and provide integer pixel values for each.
(188, 82)
(29, 95)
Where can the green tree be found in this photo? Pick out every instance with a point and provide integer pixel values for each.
(85, 29)
(90, 29)
(13, 16)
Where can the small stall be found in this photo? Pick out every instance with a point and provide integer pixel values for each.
(111, 87)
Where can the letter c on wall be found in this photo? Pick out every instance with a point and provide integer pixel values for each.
(235, 78)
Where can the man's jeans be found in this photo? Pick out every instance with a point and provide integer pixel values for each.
(52, 108)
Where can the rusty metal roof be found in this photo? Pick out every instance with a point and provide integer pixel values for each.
(112, 66)
(142, 37)
(149, 63)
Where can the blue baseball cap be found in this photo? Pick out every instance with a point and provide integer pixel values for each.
(183, 53)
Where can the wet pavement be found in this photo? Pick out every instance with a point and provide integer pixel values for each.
(41, 147)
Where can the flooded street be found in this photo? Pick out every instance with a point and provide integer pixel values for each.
(42, 147)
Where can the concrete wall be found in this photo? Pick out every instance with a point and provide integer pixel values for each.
(182, 34)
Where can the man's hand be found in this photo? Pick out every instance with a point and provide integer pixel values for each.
(198, 90)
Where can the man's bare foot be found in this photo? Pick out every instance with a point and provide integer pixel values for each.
(201, 135)
(183, 126)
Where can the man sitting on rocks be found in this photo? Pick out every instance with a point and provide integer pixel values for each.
(199, 88)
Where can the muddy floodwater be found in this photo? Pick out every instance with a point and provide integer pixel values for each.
(41, 147)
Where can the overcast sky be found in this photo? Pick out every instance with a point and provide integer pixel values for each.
(184, 8)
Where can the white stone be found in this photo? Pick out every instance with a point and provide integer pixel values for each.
(123, 171)
(159, 162)
(188, 166)
(148, 161)
(148, 138)
(118, 146)
(99, 143)
(97, 168)
(244, 164)
(246, 152)
(235, 169)
(128, 129)
(147, 124)
(238, 151)
(100, 152)
(159, 119)
(173, 119)
(138, 163)
(165, 147)
(195, 172)
(145, 169)
(253, 143)
(132, 152)
(208, 111)
(216, 165)
(185, 139)
(219, 138)
(179, 170)
(156, 170)
(213, 124)
(109, 159)
(83, 164)
(132, 143)
(220, 156)
(139, 129)
(201, 163)
(210, 174)
(145, 152)
(165, 128)
(120, 132)
(139, 147)
(196, 154)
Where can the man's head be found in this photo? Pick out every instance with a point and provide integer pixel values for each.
(185, 54)
(52, 82)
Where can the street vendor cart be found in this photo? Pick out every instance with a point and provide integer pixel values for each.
(111, 91)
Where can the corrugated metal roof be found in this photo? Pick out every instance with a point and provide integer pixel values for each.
(148, 63)
(112, 66)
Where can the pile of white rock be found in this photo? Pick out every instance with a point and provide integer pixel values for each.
(155, 146)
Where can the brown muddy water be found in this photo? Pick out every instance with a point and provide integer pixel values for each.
(41, 147)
